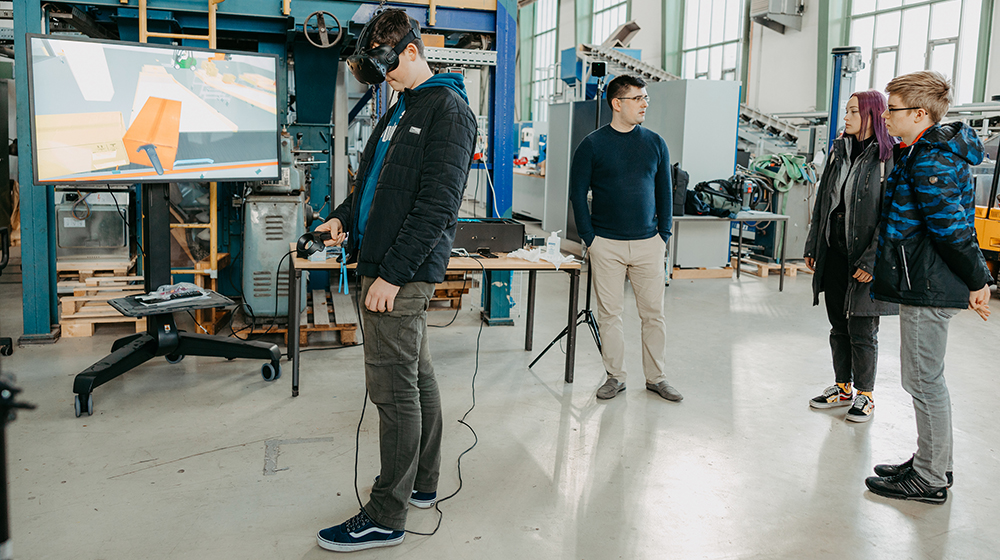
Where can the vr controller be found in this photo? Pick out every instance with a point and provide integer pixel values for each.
(311, 242)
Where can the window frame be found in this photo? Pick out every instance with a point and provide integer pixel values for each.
(956, 69)
(539, 101)
(725, 72)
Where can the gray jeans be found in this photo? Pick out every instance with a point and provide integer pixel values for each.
(400, 380)
(923, 335)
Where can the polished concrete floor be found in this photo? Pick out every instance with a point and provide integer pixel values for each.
(204, 459)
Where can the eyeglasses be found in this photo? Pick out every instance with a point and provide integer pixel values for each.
(636, 98)
(891, 110)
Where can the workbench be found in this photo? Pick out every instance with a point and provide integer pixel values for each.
(456, 264)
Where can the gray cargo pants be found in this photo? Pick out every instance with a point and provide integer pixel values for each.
(401, 383)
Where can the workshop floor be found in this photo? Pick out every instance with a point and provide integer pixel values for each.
(175, 461)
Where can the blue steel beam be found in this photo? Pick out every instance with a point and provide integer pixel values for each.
(38, 264)
(498, 300)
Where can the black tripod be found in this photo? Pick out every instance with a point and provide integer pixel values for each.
(586, 315)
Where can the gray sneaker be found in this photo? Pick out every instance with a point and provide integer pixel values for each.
(610, 388)
(665, 390)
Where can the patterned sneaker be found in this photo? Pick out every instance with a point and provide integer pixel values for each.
(907, 486)
(862, 409)
(832, 397)
(357, 533)
(422, 500)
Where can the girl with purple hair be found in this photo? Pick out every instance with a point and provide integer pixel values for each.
(840, 249)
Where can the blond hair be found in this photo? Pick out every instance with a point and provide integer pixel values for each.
(926, 89)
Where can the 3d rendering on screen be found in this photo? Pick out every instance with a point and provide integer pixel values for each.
(118, 112)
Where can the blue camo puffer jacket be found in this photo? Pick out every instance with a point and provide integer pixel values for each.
(928, 254)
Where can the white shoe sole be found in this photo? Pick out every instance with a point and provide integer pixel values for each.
(825, 405)
(858, 418)
(422, 504)
(351, 547)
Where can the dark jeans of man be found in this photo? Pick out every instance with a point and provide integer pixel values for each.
(400, 380)
(853, 340)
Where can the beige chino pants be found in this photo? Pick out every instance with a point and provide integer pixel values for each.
(642, 261)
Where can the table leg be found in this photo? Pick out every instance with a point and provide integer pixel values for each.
(529, 328)
(739, 246)
(293, 324)
(784, 233)
(574, 301)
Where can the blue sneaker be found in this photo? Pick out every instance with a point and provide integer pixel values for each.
(422, 500)
(357, 533)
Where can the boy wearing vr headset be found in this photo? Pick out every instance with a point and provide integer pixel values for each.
(401, 218)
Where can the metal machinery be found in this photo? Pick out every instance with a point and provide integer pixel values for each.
(310, 38)
(89, 224)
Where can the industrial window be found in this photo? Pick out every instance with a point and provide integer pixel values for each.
(544, 70)
(902, 36)
(608, 15)
(713, 32)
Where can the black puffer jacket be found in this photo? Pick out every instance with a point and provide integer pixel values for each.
(863, 200)
(413, 215)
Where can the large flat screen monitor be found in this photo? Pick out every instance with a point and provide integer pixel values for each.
(113, 112)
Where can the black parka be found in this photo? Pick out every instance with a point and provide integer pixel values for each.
(865, 184)
(414, 211)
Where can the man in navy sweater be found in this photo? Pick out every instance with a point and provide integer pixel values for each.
(628, 170)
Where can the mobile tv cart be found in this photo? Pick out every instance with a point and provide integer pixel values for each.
(162, 337)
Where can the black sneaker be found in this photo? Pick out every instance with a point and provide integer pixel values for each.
(832, 397)
(907, 485)
(862, 409)
(422, 500)
(357, 533)
(887, 470)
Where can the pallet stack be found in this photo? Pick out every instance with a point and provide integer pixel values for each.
(326, 312)
(450, 292)
(89, 307)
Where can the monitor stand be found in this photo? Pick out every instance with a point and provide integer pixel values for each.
(162, 337)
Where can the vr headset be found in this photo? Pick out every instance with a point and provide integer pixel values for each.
(370, 66)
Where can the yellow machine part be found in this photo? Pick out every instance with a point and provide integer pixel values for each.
(988, 233)
(988, 229)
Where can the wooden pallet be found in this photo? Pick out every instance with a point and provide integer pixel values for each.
(326, 313)
(89, 307)
(450, 292)
(762, 269)
(83, 269)
(701, 273)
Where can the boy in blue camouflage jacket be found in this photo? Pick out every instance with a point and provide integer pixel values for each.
(928, 262)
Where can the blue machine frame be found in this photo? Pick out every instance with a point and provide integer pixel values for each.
(273, 31)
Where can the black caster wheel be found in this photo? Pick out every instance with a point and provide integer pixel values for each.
(230, 359)
(84, 403)
(174, 358)
(6, 350)
(270, 372)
